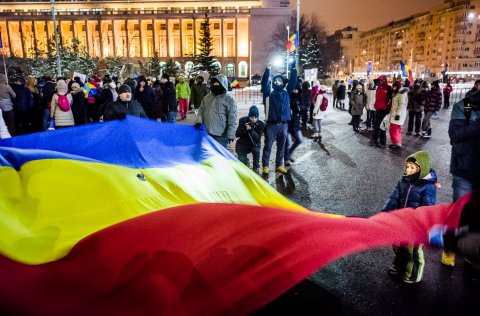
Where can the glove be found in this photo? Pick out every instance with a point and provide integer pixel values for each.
(397, 117)
(52, 125)
(435, 235)
(198, 125)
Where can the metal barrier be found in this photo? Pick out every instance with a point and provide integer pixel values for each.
(251, 95)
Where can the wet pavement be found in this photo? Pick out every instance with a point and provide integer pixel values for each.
(343, 174)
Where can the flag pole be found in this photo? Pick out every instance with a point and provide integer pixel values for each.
(288, 53)
(298, 34)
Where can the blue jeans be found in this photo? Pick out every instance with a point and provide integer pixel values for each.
(461, 186)
(45, 119)
(289, 147)
(171, 116)
(222, 140)
(274, 132)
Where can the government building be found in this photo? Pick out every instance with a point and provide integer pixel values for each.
(443, 41)
(137, 29)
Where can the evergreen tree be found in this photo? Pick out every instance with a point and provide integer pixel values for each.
(114, 65)
(312, 56)
(154, 66)
(205, 61)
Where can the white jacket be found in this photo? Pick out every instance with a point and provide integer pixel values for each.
(370, 99)
(317, 114)
(62, 118)
(399, 106)
(3, 128)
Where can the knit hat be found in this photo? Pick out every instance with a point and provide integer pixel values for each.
(124, 88)
(75, 85)
(423, 160)
(253, 111)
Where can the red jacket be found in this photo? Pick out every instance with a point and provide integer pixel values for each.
(382, 97)
(447, 90)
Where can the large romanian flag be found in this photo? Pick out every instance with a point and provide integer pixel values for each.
(136, 217)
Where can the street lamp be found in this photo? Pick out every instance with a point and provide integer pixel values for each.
(55, 34)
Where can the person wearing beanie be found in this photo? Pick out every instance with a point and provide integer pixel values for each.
(433, 103)
(169, 98)
(358, 100)
(118, 110)
(249, 133)
(398, 113)
(418, 187)
(62, 114)
(320, 102)
(306, 102)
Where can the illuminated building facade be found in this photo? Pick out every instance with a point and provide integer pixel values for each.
(445, 39)
(137, 29)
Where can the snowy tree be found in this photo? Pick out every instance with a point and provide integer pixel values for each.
(204, 60)
(312, 56)
(114, 65)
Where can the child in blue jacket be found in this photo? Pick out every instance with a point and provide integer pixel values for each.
(416, 188)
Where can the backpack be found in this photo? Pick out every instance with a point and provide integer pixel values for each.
(324, 104)
(63, 103)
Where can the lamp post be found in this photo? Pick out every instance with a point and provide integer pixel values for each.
(298, 34)
(55, 35)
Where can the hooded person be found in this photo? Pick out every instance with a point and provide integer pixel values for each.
(382, 108)
(61, 106)
(218, 111)
(320, 103)
(398, 113)
(169, 99)
(79, 104)
(249, 131)
(277, 115)
(418, 187)
(118, 110)
(199, 91)
(370, 92)
(145, 96)
(183, 96)
(313, 94)
(433, 103)
(358, 101)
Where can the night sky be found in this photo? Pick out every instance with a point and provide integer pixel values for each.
(364, 14)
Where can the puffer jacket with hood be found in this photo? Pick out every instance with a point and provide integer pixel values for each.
(219, 112)
(183, 88)
(62, 118)
(6, 95)
(277, 106)
(383, 94)
(398, 112)
(415, 193)
(434, 99)
(417, 98)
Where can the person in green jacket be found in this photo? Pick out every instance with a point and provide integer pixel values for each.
(183, 95)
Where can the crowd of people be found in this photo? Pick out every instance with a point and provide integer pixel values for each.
(32, 104)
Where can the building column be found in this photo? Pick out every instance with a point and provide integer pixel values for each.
(48, 38)
(114, 41)
(74, 34)
(235, 42)
(140, 37)
(194, 37)
(22, 41)
(154, 34)
(221, 38)
(181, 38)
(101, 37)
(168, 37)
(126, 40)
(34, 30)
(86, 35)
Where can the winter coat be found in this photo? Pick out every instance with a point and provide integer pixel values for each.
(199, 91)
(169, 99)
(306, 99)
(24, 100)
(62, 118)
(278, 101)
(434, 100)
(334, 90)
(382, 97)
(249, 137)
(447, 90)
(183, 90)
(416, 100)
(6, 95)
(422, 192)
(118, 110)
(357, 102)
(48, 91)
(313, 93)
(399, 107)
(465, 141)
(219, 112)
(341, 92)
(157, 106)
(317, 113)
(79, 107)
(146, 98)
(370, 99)
(3, 127)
